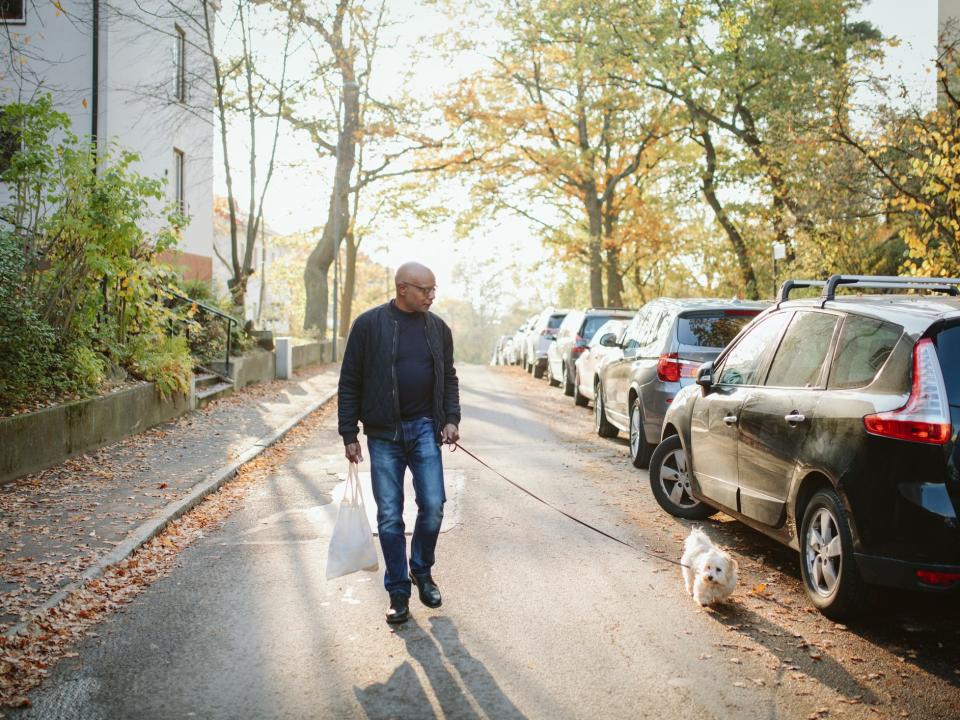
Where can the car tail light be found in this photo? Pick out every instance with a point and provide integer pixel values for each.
(940, 579)
(579, 345)
(670, 368)
(547, 331)
(926, 416)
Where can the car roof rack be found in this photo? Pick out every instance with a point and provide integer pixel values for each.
(789, 285)
(890, 282)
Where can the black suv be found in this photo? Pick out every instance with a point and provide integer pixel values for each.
(830, 424)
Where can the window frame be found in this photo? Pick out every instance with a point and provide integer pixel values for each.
(180, 65)
(826, 364)
(179, 180)
(764, 366)
(22, 20)
(836, 350)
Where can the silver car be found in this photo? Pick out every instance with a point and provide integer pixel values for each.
(663, 347)
(538, 339)
(604, 347)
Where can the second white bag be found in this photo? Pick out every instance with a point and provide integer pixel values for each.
(351, 547)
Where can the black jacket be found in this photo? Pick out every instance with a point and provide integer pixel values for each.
(368, 390)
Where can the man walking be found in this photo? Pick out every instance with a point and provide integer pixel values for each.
(398, 379)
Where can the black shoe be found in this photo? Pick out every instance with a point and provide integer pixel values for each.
(399, 611)
(429, 592)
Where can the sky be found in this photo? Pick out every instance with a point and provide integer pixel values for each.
(298, 197)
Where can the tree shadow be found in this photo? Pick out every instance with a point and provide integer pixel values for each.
(795, 654)
(462, 685)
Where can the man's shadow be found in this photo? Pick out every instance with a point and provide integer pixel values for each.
(461, 684)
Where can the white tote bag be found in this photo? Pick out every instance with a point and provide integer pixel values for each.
(351, 547)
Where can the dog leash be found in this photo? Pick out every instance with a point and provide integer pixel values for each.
(456, 445)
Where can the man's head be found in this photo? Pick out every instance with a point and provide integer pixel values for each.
(416, 287)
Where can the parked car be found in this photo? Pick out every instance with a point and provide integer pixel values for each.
(520, 341)
(604, 347)
(499, 350)
(573, 335)
(830, 424)
(538, 339)
(662, 349)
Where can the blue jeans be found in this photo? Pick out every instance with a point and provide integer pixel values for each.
(418, 450)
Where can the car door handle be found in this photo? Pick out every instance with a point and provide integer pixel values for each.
(794, 418)
(730, 419)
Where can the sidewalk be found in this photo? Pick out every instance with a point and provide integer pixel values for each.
(57, 523)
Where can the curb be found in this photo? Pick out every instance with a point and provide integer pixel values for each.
(152, 527)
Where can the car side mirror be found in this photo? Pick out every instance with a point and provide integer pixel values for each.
(705, 375)
(609, 340)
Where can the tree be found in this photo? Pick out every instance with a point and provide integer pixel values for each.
(557, 129)
(757, 84)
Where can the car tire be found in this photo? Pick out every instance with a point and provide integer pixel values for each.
(604, 427)
(578, 399)
(568, 386)
(640, 449)
(670, 482)
(550, 376)
(830, 574)
(538, 371)
(528, 367)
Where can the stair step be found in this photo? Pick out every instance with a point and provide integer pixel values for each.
(205, 379)
(210, 393)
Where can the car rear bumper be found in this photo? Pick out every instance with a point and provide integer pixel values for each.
(893, 572)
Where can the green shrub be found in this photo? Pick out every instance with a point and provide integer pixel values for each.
(164, 360)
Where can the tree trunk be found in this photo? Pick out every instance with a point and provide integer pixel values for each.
(338, 213)
(349, 283)
(614, 279)
(595, 219)
(747, 275)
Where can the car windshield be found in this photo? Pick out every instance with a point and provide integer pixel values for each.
(554, 322)
(713, 331)
(592, 324)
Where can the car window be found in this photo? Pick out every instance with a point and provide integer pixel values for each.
(635, 327)
(948, 351)
(713, 331)
(554, 322)
(863, 348)
(660, 327)
(646, 332)
(593, 323)
(744, 362)
(803, 351)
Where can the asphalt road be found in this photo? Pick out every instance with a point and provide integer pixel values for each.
(542, 618)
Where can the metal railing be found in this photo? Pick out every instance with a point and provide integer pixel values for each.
(230, 320)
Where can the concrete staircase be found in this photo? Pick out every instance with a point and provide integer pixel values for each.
(209, 385)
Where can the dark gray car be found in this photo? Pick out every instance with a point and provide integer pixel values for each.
(666, 342)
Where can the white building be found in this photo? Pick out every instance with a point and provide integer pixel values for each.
(133, 72)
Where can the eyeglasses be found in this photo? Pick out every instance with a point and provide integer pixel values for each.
(432, 290)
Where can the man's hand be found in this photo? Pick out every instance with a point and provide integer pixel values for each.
(450, 433)
(353, 452)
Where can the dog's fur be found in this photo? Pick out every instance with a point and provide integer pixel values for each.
(708, 571)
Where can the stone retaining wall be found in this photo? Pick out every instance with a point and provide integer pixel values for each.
(34, 441)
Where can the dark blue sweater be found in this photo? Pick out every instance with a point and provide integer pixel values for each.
(414, 364)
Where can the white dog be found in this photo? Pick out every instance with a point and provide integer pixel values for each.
(709, 572)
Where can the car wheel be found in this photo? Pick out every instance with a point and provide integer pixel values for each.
(550, 376)
(640, 449)
(670, 482)
(830, 574)
(538, 370)
(528, 367)
(600, 423)
(567, 382)
(578, 399)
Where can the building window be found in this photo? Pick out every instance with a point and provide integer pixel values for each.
(179, 193)
(12, 11)
(180, 80)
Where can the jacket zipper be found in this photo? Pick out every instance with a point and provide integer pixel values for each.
(396, 386)
(437, 375)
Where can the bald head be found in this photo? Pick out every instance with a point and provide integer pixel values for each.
(416, 287)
